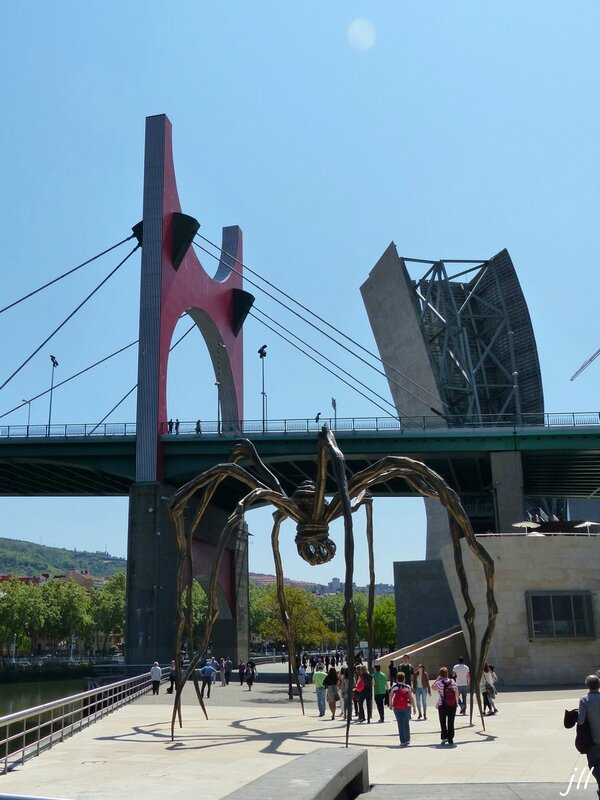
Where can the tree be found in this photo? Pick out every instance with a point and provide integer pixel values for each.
(108, 608)
(258, 609)
(68, 610)
(199, 611)
(384, 621)
(308, 624)
(21, 613)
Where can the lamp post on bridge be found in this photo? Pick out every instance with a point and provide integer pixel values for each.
(28, 413)
(54, 365)
(262, 352)
(218, 385)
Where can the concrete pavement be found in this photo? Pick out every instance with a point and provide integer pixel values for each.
(130, 754)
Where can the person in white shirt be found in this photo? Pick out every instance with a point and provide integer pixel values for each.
(155, 676)
(462, 676)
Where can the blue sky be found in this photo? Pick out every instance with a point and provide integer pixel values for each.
(453, 129)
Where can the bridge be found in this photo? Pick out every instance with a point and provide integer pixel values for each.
(560, 458)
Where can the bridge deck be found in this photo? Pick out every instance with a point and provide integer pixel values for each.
(558, 461)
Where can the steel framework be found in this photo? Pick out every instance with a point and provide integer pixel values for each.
(480, 339)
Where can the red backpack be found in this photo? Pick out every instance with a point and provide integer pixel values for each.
(401, 698)
(448, 694)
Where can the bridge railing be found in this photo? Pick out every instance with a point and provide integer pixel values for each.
(26, 734)
(308, 426)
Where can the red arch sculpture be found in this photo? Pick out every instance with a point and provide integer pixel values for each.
(173, 282)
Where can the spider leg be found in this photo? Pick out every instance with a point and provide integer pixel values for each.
(366, 500)
(184, 619)
(259, 493)
(279, 516)
(343, 503)
(429, 483)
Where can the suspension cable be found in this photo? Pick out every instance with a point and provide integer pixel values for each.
(70, 378)
(329, 361)
(64, 275)
(312, 358)
(72, 314)
(133, 388)
(325, 322)
(329, 336)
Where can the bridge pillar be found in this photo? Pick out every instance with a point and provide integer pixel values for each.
(173, 283)
(152, 561)
(507, 480)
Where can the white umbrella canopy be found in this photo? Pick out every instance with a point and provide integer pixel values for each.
(587, 525)
(527, 524)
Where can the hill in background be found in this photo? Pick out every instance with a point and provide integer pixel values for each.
(25, 558)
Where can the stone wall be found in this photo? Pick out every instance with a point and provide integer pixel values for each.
(532, 563)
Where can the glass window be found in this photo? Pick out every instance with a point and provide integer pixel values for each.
(559, 615)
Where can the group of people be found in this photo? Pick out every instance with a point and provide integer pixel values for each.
(406, 690)
(174, 426)
(210, 670)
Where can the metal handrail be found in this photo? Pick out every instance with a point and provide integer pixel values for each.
(25, 734)
(534, 532)
(340, 425)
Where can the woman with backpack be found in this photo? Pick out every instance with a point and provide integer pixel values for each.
(401, 701)
(446, 704)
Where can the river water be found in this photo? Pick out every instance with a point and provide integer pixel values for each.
(17, 696)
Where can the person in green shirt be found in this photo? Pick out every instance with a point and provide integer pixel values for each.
(318, 678)
(380, 690)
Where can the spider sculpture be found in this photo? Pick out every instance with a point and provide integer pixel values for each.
(312, 513)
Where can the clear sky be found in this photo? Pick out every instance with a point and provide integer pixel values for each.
(326, 131)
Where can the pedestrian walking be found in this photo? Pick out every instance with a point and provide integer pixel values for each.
(250, 674)
(172, 677)
(446, 704)
(319, 676)
(155, 676)
(332, 694)
(487, 687)
(462, 676)
(207, 674)
(589, 711)
(380, 691)
(402, 701)
(421, 688)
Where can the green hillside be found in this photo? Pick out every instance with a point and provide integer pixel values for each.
(25, 558)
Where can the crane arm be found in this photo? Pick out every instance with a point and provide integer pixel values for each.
(585, 364)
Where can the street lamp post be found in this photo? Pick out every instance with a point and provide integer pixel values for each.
(334, 406)
(262, 352)
(28, 413)
(14, 647)
(218, 385)
(54, 365)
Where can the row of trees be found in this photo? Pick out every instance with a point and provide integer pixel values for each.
(53, 612)
(319, 620)
(42, 616)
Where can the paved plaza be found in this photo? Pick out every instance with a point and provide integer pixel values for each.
(524, 751)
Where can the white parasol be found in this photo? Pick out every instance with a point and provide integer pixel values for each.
(527, 524)
(587, 525)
